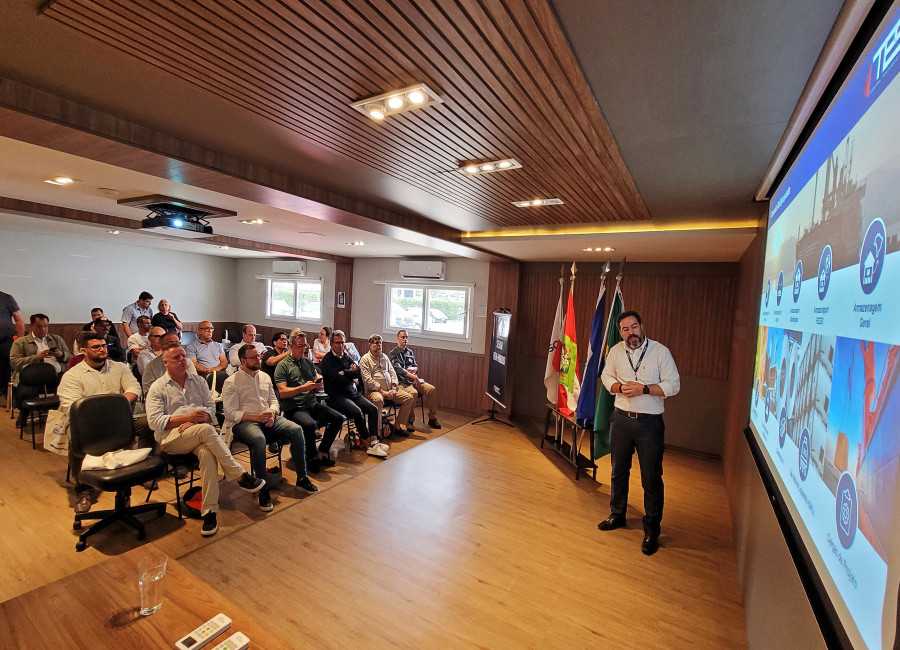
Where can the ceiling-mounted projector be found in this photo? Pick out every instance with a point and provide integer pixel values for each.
(177, 220)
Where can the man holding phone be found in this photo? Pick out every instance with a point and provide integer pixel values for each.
(298, 382)
(38, 346)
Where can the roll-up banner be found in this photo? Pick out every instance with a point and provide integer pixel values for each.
(496, 388)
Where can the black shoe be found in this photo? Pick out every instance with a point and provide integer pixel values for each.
(650, 544)
(434, 424)
(313, 465)
(305, 484)
(265, 501)
(611, 523)
(400, 432)
(274, 447)
(251, 484)
(209, 525)
(325, 461)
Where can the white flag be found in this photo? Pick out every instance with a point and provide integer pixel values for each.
(551, 374)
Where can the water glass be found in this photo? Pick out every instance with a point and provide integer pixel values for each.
(151, 570)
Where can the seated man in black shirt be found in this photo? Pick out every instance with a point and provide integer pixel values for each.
(102, 326)
(341, 376)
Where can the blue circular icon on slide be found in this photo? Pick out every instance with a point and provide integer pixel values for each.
(768, 290)
(804, 453)
(846, 510)
(824, 272)
(780, 288)
(871, 256)
(782, 428)
(798, 279)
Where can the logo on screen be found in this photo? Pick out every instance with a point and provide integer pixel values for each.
(871, 256)
(804, 453)
(782, 428)
(824, 272)
(798, 279)
(846, 510)
(780, 288)
(768, 290)
(883, 58)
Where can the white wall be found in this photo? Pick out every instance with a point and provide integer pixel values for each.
(369, 300)
(64, 277)
(250, 304)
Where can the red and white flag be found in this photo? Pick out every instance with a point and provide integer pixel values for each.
(569, 383)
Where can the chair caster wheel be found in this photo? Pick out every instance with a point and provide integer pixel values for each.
(80, 546)
(76, 525)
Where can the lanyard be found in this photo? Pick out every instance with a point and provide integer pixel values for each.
(633, 367)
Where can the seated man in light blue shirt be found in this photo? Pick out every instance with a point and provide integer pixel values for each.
(180, 410)
(206, 354)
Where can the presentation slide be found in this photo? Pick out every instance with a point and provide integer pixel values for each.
(826, 402)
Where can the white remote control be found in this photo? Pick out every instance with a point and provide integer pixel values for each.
(237, 641)
(205, 633)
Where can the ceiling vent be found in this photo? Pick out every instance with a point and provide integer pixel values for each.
(423, 270)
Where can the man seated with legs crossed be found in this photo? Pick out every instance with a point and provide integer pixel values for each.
(298, 382)
(96, 374)
(380, 382)
(341, 376)
(251, 411)
(407, 369)
(180, 410)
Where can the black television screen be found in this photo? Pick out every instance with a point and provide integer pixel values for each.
(825, 409)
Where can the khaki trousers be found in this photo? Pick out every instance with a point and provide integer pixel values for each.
(403, 399)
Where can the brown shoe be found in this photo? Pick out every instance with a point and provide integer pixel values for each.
(83, 505)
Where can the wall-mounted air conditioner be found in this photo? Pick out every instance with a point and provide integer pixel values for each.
(423, 270)
(289, 267)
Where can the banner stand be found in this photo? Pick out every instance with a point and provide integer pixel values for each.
(497, 365)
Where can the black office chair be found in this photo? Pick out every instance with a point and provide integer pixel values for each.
(183, 466)
(99, 424)
(39, 381)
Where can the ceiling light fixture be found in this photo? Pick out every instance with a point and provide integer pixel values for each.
(533, 203)
(60, 180)
(356, 243)
(588, 250)
(472, 169)
(397, 101)
(224, 248)
(608, 249)
(113, 232)
(254, 222)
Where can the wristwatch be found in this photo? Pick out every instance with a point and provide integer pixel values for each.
(646, 389)
(621, 386)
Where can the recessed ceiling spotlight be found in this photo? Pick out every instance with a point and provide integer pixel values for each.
(224, 248)
(470, 169)
(113, 232)
(254, 222)
(588, 250)
(608, 249)
(356, 243)
(533, 203)
(60, 180)
(397, 101)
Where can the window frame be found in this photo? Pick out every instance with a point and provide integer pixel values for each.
(425, 288)
(296, 282)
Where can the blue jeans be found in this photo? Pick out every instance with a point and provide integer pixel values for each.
(310, 419)
(363, 413)
(256, 437)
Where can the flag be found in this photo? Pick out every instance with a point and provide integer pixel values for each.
(569, 385)
(551, 374)
(605, 400)
(587, 399)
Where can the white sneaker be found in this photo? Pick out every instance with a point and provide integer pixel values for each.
(376, 450)
(384, 446)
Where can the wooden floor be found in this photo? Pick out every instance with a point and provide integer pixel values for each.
(476, 539)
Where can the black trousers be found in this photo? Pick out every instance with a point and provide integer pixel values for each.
(646, 436)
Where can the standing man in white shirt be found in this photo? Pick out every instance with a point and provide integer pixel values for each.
(141, 307)
(641, 374)
(98, 375)
(251, 411)
(180, 410)
(248, 337)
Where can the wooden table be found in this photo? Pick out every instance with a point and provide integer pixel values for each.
(99, 607)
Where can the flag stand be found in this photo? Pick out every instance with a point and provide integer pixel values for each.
(570, 451)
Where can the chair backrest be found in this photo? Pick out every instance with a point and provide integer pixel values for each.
(39, 374)
(100, 423)
(188, 338)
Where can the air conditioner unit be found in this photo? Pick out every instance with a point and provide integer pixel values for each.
(289, 267)
(423, 270)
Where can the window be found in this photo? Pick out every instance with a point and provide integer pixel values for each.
(440, 310)
(294, 300)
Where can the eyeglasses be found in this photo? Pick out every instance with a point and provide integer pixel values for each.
(206, 328)
(99, 346)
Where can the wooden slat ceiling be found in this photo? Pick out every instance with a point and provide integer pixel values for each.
(511, 88)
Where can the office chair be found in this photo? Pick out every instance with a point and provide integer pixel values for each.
(99, 424)
(41, 379)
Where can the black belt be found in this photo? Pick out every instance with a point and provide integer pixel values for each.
(635, 416)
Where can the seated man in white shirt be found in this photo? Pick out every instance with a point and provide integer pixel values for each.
(154, 369)
(140, 340)
(248, 337)
(98, 375)
(153, 350)
(251, 411)
(381, 385)
(180, 410)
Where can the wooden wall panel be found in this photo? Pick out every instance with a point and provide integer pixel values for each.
(343, 281)
(687, 307)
